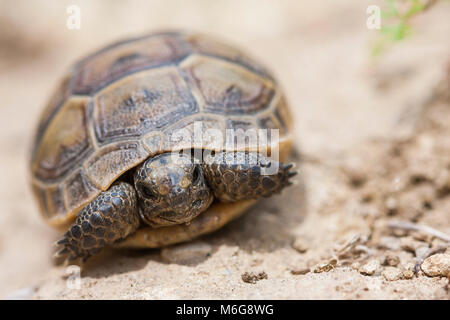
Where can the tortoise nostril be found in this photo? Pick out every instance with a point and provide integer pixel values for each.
(177, 191)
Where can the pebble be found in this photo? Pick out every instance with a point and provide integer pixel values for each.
(437, 265)
(300, 271)
(392, 274)
(253, 277)
(300, 245)
(188, 253)
(325, 267)
(370, 267)
(408, 274)
(391, 260)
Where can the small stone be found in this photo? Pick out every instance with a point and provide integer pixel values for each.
(300, 271)
(188, 253)
(325, 267)
(437, 265)
(370, 267)
(252, 277)
(408, 274)
(300, 245)
(391, 260)
(391, 274)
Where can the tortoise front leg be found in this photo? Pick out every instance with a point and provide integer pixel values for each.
(112, 216)
(237, 176)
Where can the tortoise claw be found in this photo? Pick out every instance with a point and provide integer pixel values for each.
(61, 253)
(288, 166)
(62, 242)
(292, 173)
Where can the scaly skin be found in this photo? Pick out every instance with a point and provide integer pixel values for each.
(169, 193)
(237, 176)
(171, 189)
(112, 216)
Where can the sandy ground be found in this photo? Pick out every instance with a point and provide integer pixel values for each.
(373, 148)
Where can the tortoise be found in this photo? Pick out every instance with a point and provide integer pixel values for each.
(117, 158)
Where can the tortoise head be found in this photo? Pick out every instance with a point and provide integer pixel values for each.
(171, 189)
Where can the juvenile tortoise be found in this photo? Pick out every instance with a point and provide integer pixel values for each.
(103, 165)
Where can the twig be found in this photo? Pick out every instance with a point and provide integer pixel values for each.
(409, 226)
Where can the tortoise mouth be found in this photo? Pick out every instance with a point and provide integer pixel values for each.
(171, 217)
(168, 216)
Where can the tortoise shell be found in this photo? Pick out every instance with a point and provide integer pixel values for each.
(122, 104)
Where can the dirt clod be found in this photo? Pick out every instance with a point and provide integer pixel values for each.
(408, 274)
(300, 271)
(252, 277)
(326, 266)
(437, 265)
(300, 244)
(392, 274)
(370, 267)
(391, 260)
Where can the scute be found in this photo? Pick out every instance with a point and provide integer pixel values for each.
(126, 57)
(55, 201)
(194, 132)
(59, 95)
(65, 142)
(130, 100)
(283, 114)
(111, 161)
(141, 103)
(208, 46)
(79, 190)
(228, 88)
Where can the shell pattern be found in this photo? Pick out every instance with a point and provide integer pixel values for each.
(118, 106)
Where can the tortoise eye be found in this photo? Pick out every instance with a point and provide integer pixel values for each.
(147, 192)
(196, 175)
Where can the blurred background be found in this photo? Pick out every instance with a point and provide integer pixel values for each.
(343, 82)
